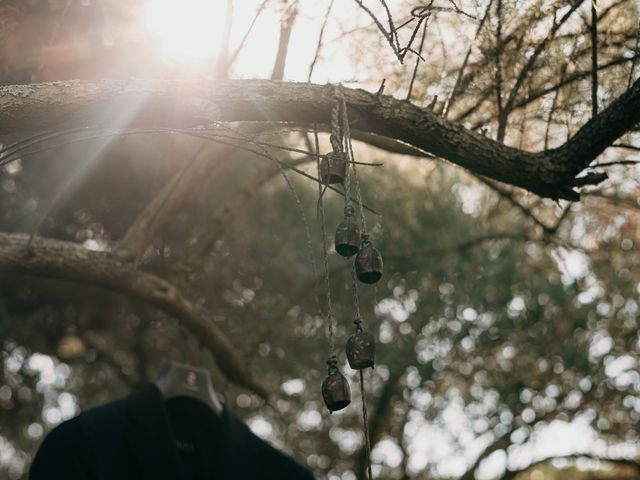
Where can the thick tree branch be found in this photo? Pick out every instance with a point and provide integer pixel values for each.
(68, 261)
(182, 104)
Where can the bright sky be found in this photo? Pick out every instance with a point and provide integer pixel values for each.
(191, 31)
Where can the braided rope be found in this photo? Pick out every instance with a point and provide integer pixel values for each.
(351, 159)
(354, 281)
(336, 132)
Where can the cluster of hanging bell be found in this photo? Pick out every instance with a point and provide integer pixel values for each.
(361, 353)
(350, 241)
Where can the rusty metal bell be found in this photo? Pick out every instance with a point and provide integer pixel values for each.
(348, 236)
(333, 168)
(361, 349)
(335, 388)
(368, 262)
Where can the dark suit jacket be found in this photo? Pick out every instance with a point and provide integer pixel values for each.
(133, 438)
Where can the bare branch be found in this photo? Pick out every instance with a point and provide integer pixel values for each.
(320, 38)
(240, 46)
(69, 261)
(456, 86)
(508, 107)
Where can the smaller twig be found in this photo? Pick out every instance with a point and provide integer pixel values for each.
(594, 59)
(590, 178)
(462, 12)
(507, 195)
(552, 230)
(408, 48)
(554, 104)
(415, 69)
(392, 28)
(383, 30)
(454, 90)
(617, 162)
(240, 46)
(633, 63)
(381, 88)
(320, 37)
(626, 145)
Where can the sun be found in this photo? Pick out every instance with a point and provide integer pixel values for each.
(186, 30)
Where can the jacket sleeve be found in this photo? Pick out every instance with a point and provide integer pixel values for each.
(65, 453)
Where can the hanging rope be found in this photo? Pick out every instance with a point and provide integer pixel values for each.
(339, 100)
(351, 160)
(365, 418)
(337, 145)
(358, 324)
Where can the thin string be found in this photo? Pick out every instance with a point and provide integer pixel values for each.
(365, 418)
(329, 312)
(292, 190)
(356, 298)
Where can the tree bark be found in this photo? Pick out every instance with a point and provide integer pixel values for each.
(68, 261)
(183, 104)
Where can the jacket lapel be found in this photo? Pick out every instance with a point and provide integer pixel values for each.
(149, 436)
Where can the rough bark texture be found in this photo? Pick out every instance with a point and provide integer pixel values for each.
(172, 103)
(69, 261)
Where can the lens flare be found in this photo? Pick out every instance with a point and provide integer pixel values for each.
(187, 30)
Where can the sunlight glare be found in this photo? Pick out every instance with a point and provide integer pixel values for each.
(187, 30)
